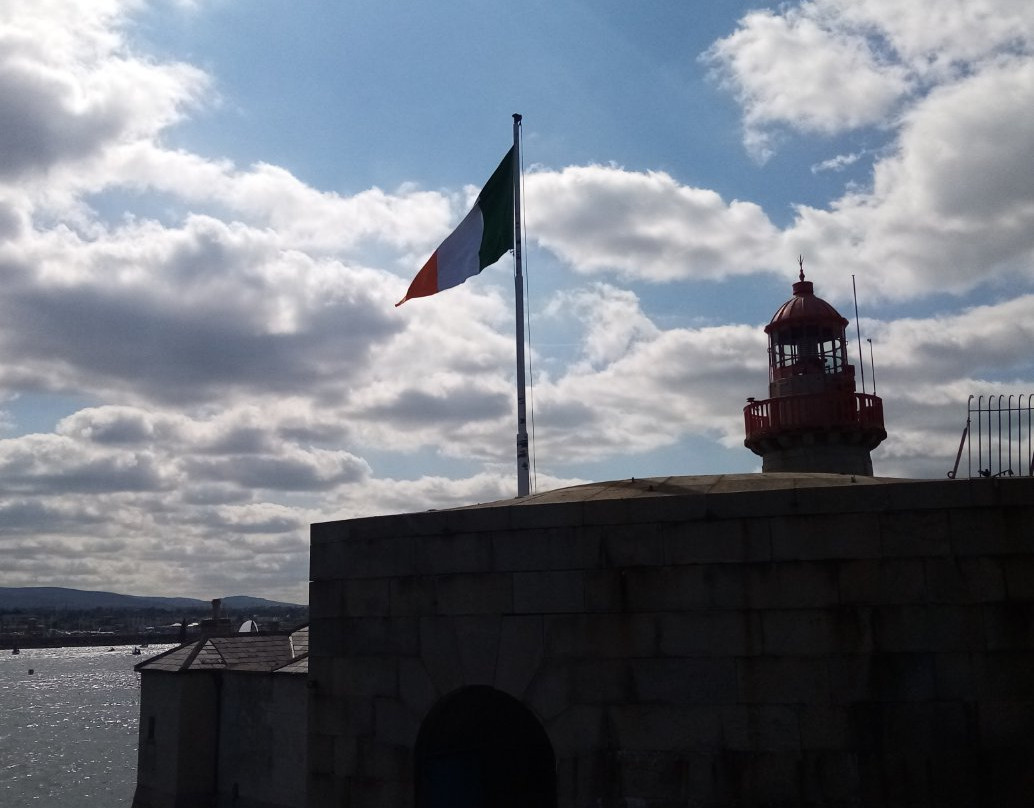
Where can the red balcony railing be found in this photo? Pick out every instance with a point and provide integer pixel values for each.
(832, 410)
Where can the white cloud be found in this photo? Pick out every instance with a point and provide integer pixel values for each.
(645, 225)
(838, 163)
(792, 69)
(952, 208)
(70, 88)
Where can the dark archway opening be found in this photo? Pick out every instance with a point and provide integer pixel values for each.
(480, 748)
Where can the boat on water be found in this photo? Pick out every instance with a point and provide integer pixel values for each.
(16, 650)
(136, 651)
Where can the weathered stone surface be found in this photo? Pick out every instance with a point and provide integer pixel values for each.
(871, 581)
(770, 640)
(783, 680)
(380, 636)
(761, 727)
(684, 681)
(477, 637)
(548, 591)
(632, 545)
(787, 585)
(361, 597)
(711, 633)
(816, 632)
(413, 595)
(365, 676)
(965, 580)
(474, 594)
(548, 548)
(416, 690)
(882, 677)
(550, 691)
(1009, 626)
(465, 552)
(521, 646)
(677, 728)
(923, 534)
(715, 542)
(601, 635)
(395, 724)
(440, 653)
(825, 536)
(663, 589)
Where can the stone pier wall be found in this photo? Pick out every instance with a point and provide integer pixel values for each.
(757, 640)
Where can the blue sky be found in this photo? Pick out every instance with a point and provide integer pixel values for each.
(208, 208)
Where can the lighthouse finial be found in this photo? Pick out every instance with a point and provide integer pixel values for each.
(800, 263)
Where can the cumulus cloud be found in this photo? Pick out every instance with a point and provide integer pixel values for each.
(645, 225)
(793, 68)
(828, 66)
(951, 208)
(70, 90)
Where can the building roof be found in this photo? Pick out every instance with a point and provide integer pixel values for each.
(238, 652)
(698, 484)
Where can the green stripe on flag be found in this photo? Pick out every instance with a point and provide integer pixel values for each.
(496, 203)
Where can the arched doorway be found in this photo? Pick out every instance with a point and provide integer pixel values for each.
(480, 748)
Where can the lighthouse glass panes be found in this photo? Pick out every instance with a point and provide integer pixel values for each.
(806, 349)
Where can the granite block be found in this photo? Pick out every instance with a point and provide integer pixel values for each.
(440, 653)
(711, 633)
(413, 595)
(521, 643)
(717, 541)
(673, 728)
(474, 594)
(653, 589)
(598, 636)
(477, 638)
(761, 728)
(361, 597)
(394, 723)
(631, 545)
(871, 581)
(825, 536)
(698, 680)
(365, 676)
(548, 591)
(782, 680)
(931, 628)
(809, 632)
(966, 579)
(916, 533)
(461, 552)
(882, 677)
(548, 549)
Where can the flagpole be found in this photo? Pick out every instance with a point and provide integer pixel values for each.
(523, 466)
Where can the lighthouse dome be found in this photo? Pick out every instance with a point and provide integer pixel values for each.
(804, 308)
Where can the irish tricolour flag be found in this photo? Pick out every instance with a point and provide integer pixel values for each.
(480, 240)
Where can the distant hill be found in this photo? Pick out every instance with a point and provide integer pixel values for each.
(57, 597)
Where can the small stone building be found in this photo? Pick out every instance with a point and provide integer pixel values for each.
(223, 723)
(782, 639)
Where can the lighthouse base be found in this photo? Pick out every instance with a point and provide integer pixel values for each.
(831, 458)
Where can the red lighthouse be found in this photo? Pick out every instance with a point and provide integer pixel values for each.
(813, 419)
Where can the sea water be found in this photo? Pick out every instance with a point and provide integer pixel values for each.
(68, 730)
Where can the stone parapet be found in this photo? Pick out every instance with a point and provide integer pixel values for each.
(726, 641)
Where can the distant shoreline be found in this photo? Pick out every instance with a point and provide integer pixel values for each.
(9, 642)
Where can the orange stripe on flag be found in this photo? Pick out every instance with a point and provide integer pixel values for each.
(426, 281)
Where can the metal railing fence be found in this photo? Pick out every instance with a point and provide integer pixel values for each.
(1003, 445)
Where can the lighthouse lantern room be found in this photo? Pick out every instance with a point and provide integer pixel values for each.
(814, 420)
